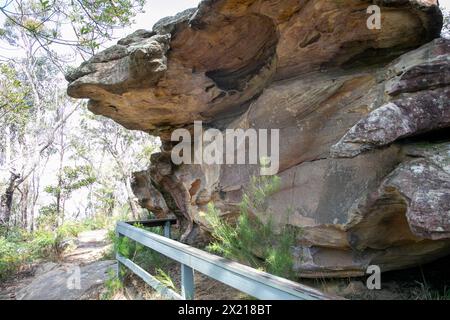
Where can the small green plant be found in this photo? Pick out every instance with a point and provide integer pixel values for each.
(19, 248)
(96, 222)
(113, 285)
(424, 292)
(251, 241)
(165, 279)
(146, 258)
(47, 244)
(70, 229)
(13, 254)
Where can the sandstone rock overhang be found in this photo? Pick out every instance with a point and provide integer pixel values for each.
(205, 63)
(361, 174)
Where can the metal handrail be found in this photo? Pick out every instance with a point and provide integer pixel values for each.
(254, 282)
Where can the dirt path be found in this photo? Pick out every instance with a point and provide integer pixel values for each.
(79, 275)
(91, 246)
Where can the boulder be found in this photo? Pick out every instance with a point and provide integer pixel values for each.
(362, 117)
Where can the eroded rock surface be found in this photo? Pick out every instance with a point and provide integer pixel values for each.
(358, 173)
(418, 97)
(60, 283)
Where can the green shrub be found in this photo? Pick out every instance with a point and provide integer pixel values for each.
(48, 218)
(70, 229)
(97, 222)
(234, 242)
(165, 279)
(146, 258)
(424, 292)
(113, 285)
(251, 241)
(16, 250)
(46, 244)
(13, 254)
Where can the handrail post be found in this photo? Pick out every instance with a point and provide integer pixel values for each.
(119, 264)
(187, 282)
(167, 229)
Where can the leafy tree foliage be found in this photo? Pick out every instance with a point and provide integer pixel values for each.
(81, 24)
(13, 103)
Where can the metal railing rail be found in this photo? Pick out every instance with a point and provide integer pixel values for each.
(256, 283)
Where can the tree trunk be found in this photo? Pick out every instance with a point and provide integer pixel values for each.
(133, 206)
(60, 195)
(24, 204)
(6, 200)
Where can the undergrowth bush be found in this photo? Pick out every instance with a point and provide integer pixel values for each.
(250, 240)
(13, 254)
(152, 261)
(97, 222)
(424, 292)
(113, 285)
(146, 258)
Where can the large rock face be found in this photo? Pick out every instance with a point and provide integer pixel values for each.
(362, 114)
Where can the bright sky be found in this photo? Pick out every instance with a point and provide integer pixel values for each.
(157, 9)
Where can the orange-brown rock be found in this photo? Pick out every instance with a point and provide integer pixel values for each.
(363, 117)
